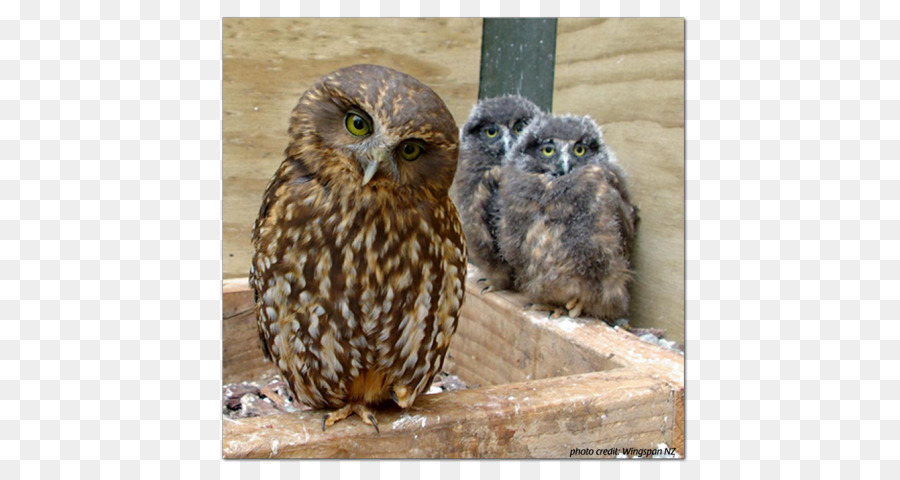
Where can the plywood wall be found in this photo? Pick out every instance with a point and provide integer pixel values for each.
(627, 74)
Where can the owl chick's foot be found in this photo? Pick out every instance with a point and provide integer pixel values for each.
(553, 312)
(489, 287)
(363, 411)
(574, 306)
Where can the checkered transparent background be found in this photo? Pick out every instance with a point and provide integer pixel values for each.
(110, 231)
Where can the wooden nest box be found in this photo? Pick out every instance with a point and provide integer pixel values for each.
(547, 386)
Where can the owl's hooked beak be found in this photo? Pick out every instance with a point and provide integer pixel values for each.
(377, 159)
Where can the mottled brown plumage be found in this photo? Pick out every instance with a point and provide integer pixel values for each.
(359, 258)
(567, 225)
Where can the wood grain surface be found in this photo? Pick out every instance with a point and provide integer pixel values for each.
(627, 74)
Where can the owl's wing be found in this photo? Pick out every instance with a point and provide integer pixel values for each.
(287, 173)
(627, 211)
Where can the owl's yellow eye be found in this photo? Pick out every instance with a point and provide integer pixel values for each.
(410, 151)
(491, 131)
(548, 150)
(357, 125)
(519, 127)
(579, 150)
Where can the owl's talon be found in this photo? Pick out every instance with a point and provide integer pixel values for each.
(488, 286)
(552, 312)
(331, 418)
(366, 415)
(394, 396)
(361, 410)
(374, 423)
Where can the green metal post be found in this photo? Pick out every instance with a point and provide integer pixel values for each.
(518, 57)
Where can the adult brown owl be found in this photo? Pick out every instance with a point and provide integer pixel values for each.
(359, 259)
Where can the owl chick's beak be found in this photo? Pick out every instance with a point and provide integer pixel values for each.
(377, 159)
(507, 142)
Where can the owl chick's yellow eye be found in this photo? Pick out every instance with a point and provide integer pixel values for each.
(548, 151)
(410, 151)
(491, 131)
(357, 125)
(579, 150)
(519, 127)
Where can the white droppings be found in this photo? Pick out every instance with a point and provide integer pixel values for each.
(566, 324)
(408, 420)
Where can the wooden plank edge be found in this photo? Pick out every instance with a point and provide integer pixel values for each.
(678, 434)
(538, 419)
(237, 297)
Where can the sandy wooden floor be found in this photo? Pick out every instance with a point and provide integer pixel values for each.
(627, 74)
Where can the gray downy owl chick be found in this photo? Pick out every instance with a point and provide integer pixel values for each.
(487, 136)
(567, 224)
